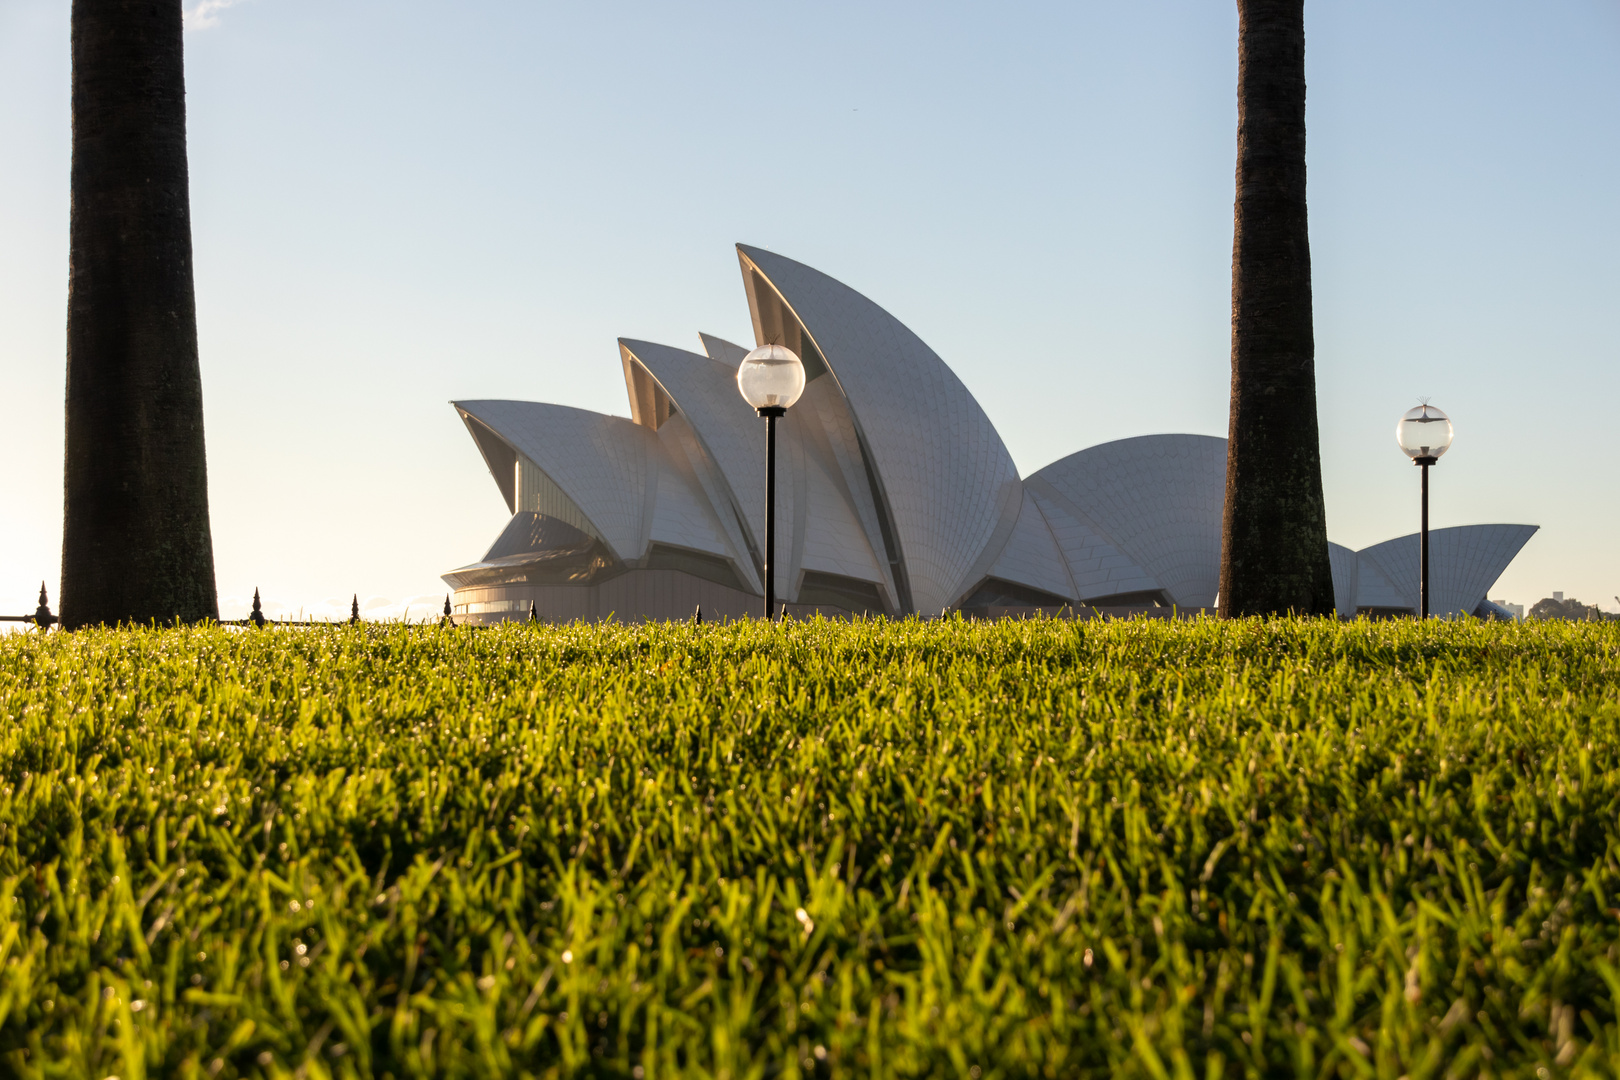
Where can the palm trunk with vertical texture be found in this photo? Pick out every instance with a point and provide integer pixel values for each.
(1274, 553)
(136, 544)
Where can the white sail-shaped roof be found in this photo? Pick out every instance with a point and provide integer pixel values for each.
(819, 521)
(683, 515)
(1464, 562)
(834, 540)
(1031, 555)
(722, 351)
(1157, 497)
(894, 492)
(1100, 570)
(945, 480)
(603, 464)
(705, 392)
(1345, 577)
(842, 532)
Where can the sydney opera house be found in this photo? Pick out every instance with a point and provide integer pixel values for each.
(895, 494)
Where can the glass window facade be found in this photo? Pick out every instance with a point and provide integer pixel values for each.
(537, 494)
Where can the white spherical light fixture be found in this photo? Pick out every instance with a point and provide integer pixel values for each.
(1424, 432)
(771, 377)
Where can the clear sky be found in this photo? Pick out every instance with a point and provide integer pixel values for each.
(398, 203)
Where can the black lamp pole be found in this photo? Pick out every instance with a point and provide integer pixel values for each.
(1423, 539)
(770, 413)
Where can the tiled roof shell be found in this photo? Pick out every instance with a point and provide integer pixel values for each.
(891, 478)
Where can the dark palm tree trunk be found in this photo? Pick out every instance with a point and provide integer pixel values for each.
(1274, 554)
(136, 544)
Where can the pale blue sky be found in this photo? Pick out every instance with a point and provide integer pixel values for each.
(400, 203)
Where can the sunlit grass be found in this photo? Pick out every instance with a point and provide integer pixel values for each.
(919, 849)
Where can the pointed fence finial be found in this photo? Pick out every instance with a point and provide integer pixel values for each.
(534, 613)
(256, 616)
(42, 614)
(354, 610)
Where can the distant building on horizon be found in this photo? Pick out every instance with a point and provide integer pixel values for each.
(895, 494)
(1516, 610)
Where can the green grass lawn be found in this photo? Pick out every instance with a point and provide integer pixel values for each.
(1107, 849)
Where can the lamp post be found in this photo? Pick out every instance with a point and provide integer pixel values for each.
(770, 379)
(1424, 433)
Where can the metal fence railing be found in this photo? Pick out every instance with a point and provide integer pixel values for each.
(43, 618)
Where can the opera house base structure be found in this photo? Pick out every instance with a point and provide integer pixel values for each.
(895, 495)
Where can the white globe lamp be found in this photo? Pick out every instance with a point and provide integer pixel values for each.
(1424, 432)
(770, 377)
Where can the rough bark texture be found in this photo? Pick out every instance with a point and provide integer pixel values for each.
(136, 544)
(1274, 554)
